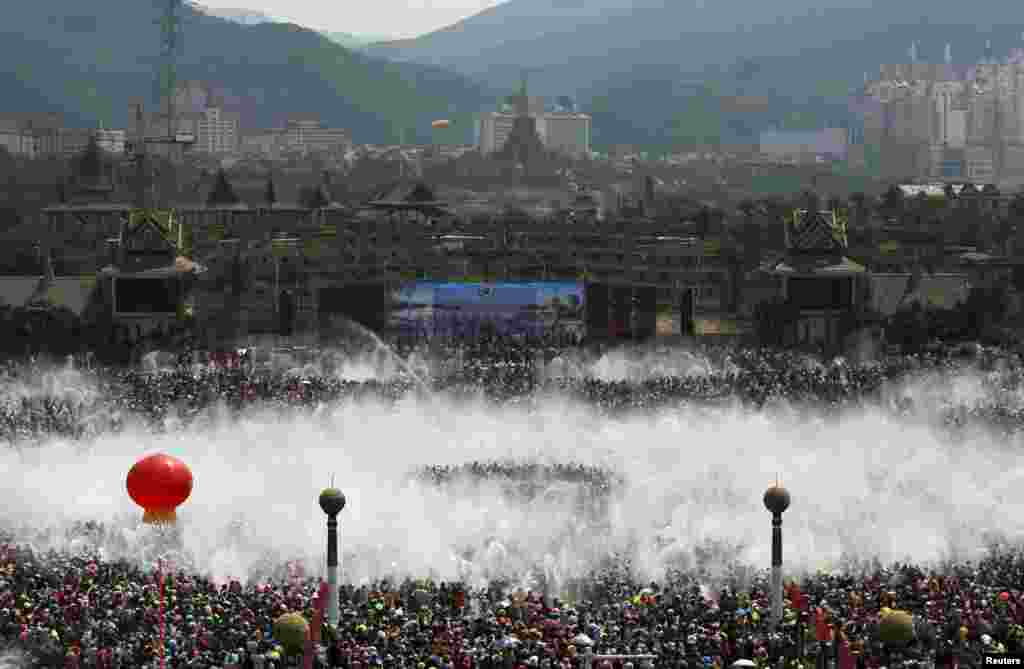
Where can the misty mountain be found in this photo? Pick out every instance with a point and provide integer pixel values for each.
(251, 17)
(654, 70)
(89, 65)
(350, 41)
(247, 17)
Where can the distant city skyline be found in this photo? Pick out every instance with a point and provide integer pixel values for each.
(398, 19)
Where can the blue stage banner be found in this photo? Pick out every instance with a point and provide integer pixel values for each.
(453, 309)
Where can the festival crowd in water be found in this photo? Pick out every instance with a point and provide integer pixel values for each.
(85, 609)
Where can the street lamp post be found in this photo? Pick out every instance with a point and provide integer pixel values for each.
(332, 501)
(776, 500)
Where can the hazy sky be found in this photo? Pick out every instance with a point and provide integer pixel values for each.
(398, 18)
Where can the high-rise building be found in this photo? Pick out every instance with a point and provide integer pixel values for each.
(495, 129)
(216, 131)
(948, 127)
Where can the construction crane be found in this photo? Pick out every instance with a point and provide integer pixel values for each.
(146, 206)
(166, 84)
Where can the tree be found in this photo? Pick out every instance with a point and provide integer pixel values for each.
(269, 193)
(312, 197)
(810, 201)
(1017, 207)
(747, 208)
(908, 328)
(985, 306)
(892, 201)
(704, 222)
(90, 161)
(860, 210)
(222, 193)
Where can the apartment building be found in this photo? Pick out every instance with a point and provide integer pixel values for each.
(216, 131)
(567, 133)
(307, 134)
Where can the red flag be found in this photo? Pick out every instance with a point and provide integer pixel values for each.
(315, 626)
(460, 599)
(307, 659)
(321, 598)
(822, 630)
(796, 598)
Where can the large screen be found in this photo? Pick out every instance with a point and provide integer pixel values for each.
(452, 309)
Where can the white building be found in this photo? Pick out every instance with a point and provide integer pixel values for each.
(266, 143)
(950, 127)
(17, 138)
(566, 133)
(308, 135)
(111, 141)
(980, 164)
(804, 145)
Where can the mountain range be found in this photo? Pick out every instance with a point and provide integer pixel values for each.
(654, 73)
(690, 71)
(89, 65)
(250, 17)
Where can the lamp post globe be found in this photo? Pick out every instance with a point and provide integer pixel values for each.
(776, 499)
(332, 501)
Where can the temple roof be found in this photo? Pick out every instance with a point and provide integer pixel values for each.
(822, 266)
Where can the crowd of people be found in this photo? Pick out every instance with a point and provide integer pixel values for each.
(82, 609)
(186, 388)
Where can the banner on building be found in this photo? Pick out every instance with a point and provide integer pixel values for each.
(467, 309)
(328, 230)
(311, 248)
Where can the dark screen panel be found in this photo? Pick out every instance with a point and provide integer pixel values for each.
(147, 296)
(622, 311)
(595, 301)
(647, 311)
(808, 293)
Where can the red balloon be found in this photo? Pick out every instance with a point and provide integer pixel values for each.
(1004, 596)
(159, 484)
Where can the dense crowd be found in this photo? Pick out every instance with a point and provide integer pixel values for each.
(187, 388)
(82, 609)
